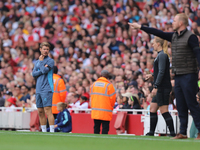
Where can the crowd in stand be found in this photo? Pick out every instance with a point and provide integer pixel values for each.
(86, 36)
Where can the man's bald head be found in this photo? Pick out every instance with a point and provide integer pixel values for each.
(105, 74)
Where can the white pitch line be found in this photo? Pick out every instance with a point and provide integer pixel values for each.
(102, 137)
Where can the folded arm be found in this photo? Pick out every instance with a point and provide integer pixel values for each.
(45, 69)
(36, 73)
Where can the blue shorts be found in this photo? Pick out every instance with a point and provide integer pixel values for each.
(44, 99)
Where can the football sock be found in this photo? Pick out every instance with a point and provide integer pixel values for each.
(51, 128)
(44, 128)
(169, 122)
(153, 122)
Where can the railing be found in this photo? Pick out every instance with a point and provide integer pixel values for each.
(76, 110)
(20, 119)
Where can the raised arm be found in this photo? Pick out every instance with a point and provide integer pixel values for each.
(164, 35)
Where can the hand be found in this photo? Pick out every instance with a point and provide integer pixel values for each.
(148, 76)
(153, 92)
(55, 126)
(28, 101)
(120, 106)
(46, 65)
(41, 58)
(134, 25)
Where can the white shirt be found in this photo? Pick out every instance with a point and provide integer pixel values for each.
(82, 106)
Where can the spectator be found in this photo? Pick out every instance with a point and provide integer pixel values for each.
(125, 100)
(82, 103)
(71, 99)
(119, 102)
(133, 102)
(2, 100)
(25, 92)
(10, 101)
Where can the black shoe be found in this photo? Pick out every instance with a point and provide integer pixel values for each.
(150, 134)
(172, 135)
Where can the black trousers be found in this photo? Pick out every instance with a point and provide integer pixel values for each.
(97, 125)
(185, 92)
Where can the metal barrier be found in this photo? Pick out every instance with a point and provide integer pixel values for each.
(14, 118)
(17, 119)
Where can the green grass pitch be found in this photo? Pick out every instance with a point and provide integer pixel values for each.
(15, 140)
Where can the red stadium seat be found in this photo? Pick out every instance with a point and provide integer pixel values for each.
(34, 122)
(120, 122)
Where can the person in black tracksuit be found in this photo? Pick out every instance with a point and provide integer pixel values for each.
(162, 87)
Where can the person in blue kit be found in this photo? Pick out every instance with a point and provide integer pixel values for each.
(43, 73)
(185, 55)
(63, 122)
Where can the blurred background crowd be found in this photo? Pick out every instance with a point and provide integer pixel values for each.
(86, 36)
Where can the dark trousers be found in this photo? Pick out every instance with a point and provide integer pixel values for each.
(105, 126)
(185, 92)
(55, 116)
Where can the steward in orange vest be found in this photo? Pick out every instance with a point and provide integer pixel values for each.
(103, 97)
(60, 91)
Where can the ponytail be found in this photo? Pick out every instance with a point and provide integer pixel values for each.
(165, 47)
(164, 44)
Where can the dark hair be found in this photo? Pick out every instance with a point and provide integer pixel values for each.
(84, 98)
(133, 98)
(76, 96)
(55, 69)
(26, 87)
(198, 94)
(83, 88)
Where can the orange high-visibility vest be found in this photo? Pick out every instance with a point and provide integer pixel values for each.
(60, 92)
(103, 97)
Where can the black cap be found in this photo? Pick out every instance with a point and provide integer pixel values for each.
(133, 83)
(8, 93)
(100, 17)
(63, 9)
(18, 86)
(58, 42)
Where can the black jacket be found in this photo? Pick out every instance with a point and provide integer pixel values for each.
(161, 71)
